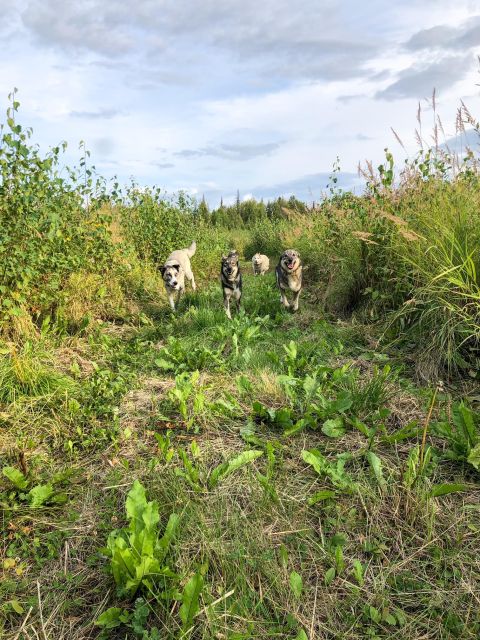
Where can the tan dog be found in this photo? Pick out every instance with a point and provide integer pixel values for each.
(260, 264)
(289, 277)
(174, 271)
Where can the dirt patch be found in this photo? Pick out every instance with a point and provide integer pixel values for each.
(139, 405)
(68, 356)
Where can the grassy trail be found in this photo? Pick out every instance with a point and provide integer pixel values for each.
(331, 532)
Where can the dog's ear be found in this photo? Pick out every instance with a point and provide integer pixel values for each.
(176, 266)
(224, 257)
(162, 270)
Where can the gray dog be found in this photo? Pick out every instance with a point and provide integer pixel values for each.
(289, 277)
(176, 268)
(231, 280)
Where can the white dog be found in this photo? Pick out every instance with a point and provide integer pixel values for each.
(260, 264)
(176, 268)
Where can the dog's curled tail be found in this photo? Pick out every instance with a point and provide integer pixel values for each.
(191, 249)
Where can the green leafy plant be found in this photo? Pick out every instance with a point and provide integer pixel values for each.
(38, 495)
(296, 584)
(178, 357)
(188, 397)
(200, 479)
(416, 467)
(226, 468)
(191, 601)
(334, 470)
(137, 553)
(462, 435)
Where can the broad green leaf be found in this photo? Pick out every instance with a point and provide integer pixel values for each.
(339, 561)
(474, 457)
(190, 600)
(291, 350)
(389, 619)
(299, 425)
(296, 584)
(316, 459)
(112, 618)
(342, 402)
(16, 477)
(410, 430)
(374, 614)
(463, 419)
(301, 635)
(325, 494)
(39, 495)
(329, 576)
(226, 468)
(16, 606)
(169, 534)
(166, 365)
(443, 489)
(376, 465)
(283, 418)
(358, 572)
(283, 552)
(310, 386)
(411, 472)
(135, 504)
(360, 426)
(333, 428)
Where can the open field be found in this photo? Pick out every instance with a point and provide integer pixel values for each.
(291, 476)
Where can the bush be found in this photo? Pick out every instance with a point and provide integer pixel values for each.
(47, 231)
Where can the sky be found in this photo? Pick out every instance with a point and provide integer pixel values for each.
(217, 96)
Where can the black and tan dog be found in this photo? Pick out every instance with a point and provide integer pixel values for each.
(176, 268)
(289, 277)
(231, 280)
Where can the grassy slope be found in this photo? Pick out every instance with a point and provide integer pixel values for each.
(94, 421)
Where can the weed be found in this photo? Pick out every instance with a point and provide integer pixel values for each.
(137, 554)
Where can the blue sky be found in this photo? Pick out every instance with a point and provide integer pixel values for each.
(216, 96)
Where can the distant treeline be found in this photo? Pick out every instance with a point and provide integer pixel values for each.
(243, 214)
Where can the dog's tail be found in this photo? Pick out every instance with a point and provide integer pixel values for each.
(191, 249)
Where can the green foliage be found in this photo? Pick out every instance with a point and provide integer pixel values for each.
(33, 495)
(358, 572)
(137, 553)
(177, 357)
(226, 468)
(46, 232)
(417, 467)
(16, 477)
(188, 397)
(335, 471)
(377, 468)
(323, 397)
(461, 435)
(444, 489)
(190, 600)
(157, 224)
(296, 584)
